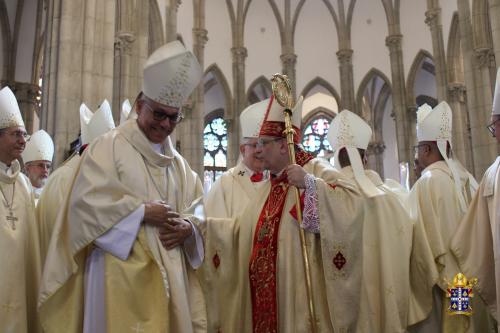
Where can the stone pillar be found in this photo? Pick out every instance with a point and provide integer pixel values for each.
(479, 97)
(130, 51)
(348, 102)
(495, 27)
(239, 55)
(26, 95)
(375, 155)
(460, 132)
(433, 20)
(403, 127)
(288, 61)
(171, 20)
(78, 65)
(192, 138)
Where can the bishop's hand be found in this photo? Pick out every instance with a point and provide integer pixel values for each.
(174, 232)
(295, 174)
(157, 213)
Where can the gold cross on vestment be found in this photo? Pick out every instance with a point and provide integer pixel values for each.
(12, 220)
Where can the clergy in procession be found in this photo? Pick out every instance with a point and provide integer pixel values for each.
(477, 240)
(123, 259)
(232, 192)
(379, 261)
(19, 244)
(57, 189)
(37, 159)
(438, 201)
(228, 198)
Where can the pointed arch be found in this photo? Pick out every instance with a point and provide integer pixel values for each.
(262, 83)
(156, 37)
(318, 81)
(412, 74)
(372, 74)
(372, 97)
(221, 80)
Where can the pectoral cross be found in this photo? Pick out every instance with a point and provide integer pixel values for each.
(12, 219)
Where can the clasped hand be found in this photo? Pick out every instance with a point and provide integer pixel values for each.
(172, 229)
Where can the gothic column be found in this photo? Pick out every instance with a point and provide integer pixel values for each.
(433, 20)
(130, 51)
(26, 95)
(192, 139)
(288, 61)
(460, 132)
(403, 126)
(495, 27)
(375, 154)
(78, 65)
(171, 20)
(239, 55)
(344, 57)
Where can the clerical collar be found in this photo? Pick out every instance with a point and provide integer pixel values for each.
(6, 168)
(37, 191)
(157, 147)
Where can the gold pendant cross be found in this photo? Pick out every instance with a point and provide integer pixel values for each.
(12, 220)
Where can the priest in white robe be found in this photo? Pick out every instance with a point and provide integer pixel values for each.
(19, 244)
(476, 244)
(57, 189)
(259, 252)
(123, 260)
(37, 159)
(228, 198)
(393, 258)
(438, 201)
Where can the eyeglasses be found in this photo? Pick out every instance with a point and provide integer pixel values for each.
(491, 127)
(20, 134)
(418, 146)
(262, 142)
(160, 115)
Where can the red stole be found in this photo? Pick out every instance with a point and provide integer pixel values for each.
(262, 270)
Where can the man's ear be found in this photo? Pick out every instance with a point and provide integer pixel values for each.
(242, 149)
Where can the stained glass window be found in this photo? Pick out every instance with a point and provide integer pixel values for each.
(314, 137)
(215, 144)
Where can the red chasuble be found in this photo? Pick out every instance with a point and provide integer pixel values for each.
(262, 272)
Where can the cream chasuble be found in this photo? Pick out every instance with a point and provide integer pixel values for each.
(52, 199)
(259, 252)
(154, 290)
(232, 191)
(19, 254)
(227, 200)
(476, 244)
(435, 205)
(381, 238)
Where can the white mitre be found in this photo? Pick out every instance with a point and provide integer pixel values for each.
(348, 130)
(495, 111)
(95, 124)
(10, 115)
(435, 125)
(170, 74)
(251, 119)
(40, 147)
(126, 108)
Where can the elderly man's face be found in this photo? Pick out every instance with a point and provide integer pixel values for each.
(12, 143)
(38, 172)
(157, 121)
(273, 152)
(248, 150)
